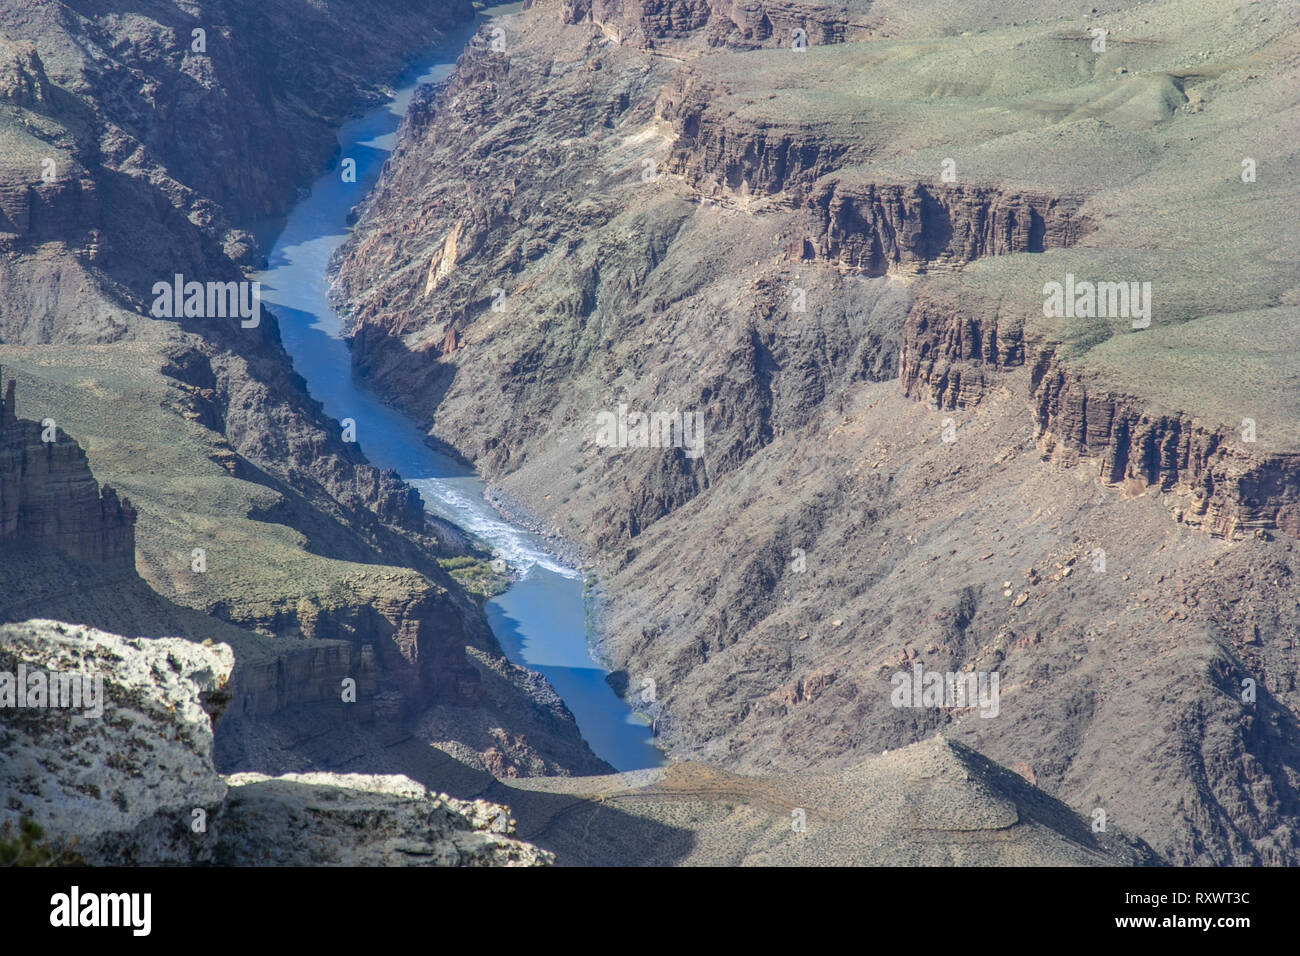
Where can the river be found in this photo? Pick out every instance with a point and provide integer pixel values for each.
(540, 619)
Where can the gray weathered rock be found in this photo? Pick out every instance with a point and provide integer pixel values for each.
(124, 784)
(135, 783)
(352, 819)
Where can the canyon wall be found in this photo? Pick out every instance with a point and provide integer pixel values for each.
(957, 345)
(49, 498)
(876, 228)
(722, 22)
(1215, 482)
(771, 238)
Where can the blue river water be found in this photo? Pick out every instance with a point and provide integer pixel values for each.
(540, 620)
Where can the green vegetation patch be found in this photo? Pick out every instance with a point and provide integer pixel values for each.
(475, 575)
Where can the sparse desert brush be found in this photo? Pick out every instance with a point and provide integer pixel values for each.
(29, 847)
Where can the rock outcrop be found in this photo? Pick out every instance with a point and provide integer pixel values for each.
(62, 209)
(50, 499)
(331, 819)
(22, 75)
(719, 152)
(951, 347)
(958, 343)
(1215, 481)
(135, 782)
(745, 25)
(877, 228)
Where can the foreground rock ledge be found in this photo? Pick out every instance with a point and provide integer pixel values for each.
(137, 785)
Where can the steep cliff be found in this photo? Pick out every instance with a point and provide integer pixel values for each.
(1193, 438)
(49, 498)
(1215, 481)
(923, 228)
(722, 22)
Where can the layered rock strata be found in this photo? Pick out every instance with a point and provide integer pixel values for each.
(50, 499)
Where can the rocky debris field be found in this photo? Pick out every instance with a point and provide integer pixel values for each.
(932, 803)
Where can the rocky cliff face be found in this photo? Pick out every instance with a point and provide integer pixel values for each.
(921, 228)
(951, 348)
(719, 151)
(1212, 480)
(406, 649)
(209, 99)
(35, 213)
(305, 676)
(49, 498)
(135, 784)
(745, 25)
(957, 346)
